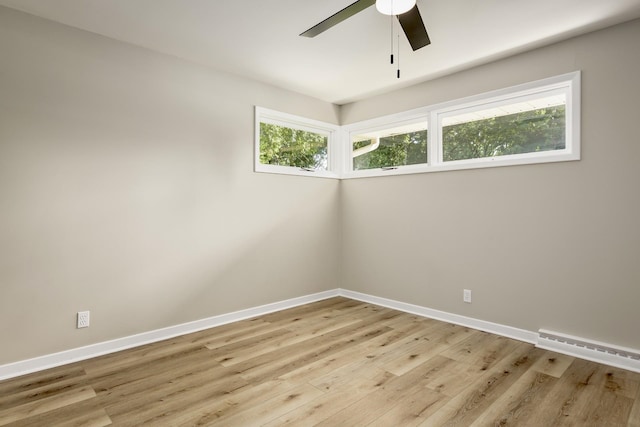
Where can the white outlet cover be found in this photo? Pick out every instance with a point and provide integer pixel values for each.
(83, 319)
(466, 296)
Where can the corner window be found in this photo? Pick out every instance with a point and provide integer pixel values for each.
(537, 122)
(293, 145)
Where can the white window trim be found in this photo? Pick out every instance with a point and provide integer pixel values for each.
(339, 149)
(377, 124)
(265, 115)
(569, 84)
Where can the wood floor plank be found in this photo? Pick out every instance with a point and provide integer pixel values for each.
(34, 391)
(412, 411)
(609, 408)
(268, 410)
(335, 362)
(325, 405)
(425, 347)
(621, 382)
(32, 382)
(215, 411)
(406, 320)
(343, 375)
(426, 338)
(65, 398)
(173, 395)
(454, 377)
(290, 315)
(481, 349)
(88, 413)
(147, 354)
(142, 377)
(519, 402)
(346, 363)
(281, 361)
(295, 336)
(466, 407)
(612, 399)
(321, 324)
(553, 364)
(231, 336)
(225, 353)
(384, 398)
(357, 360)
(569, 400)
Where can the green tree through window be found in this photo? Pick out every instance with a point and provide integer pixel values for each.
(285, 146)
(527, 132)
(395, 150)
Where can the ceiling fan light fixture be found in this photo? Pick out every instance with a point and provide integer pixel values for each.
(394, 7)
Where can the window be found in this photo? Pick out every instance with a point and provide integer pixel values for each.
(389, 148)
(517, 128)
(533, 123)
(293, 145)
(526, 127)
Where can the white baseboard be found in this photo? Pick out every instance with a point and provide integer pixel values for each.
(582, 348)
(607, 354)
(23, 367)
(494, 328)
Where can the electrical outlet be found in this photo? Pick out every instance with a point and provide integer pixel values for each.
(83, 319)
(466, 295)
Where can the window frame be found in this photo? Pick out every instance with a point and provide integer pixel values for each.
(278, 118)
(381, 124)
(567, 84)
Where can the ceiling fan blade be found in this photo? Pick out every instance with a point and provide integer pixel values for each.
(413, 27)
(338, 17)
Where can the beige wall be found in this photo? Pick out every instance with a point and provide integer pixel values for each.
(554, 246)
(126, 188)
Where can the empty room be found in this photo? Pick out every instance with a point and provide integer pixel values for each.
(337, 213)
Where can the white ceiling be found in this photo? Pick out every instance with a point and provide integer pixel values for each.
(260, 39)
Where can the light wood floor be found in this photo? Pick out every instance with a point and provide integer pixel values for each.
(336, 362)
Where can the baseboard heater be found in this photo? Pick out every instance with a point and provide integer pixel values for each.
(591, 350)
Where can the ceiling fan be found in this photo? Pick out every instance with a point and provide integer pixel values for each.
(406, 11)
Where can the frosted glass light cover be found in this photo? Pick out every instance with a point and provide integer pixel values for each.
(394, 7)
